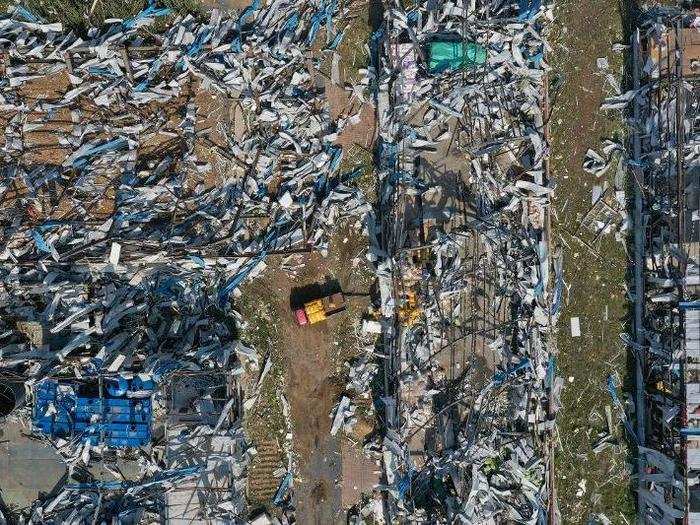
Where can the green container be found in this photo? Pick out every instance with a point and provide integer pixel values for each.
(452, 56)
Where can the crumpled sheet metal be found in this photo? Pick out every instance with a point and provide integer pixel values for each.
(89, 277)
(125, 247)
(668, 145)
(504, 103)
(287, 164)
(202, 458)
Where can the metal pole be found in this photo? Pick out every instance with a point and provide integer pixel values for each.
(638, 280)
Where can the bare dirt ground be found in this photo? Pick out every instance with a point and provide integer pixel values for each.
(587, 482)
(311, 391)
(360, 474)
(308, 368)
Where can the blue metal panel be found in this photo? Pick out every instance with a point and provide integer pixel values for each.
(121, 420)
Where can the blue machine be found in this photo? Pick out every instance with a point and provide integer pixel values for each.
(115, 419)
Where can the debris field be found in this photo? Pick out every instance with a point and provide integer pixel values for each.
(296, 261)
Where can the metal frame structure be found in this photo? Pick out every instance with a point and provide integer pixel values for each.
(663, 140)
(480, 319)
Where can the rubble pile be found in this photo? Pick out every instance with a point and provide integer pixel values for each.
(198, 461)
(361, 374)
(463, 259)
(608, 211)
(147, 174)
(282, 164)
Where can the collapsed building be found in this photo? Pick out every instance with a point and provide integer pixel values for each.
(462, 254)
(147, 174)
(666, 179)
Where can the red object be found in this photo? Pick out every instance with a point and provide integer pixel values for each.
(301, 318)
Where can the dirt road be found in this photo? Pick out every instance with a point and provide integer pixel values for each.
(312, 392)
(310, 359)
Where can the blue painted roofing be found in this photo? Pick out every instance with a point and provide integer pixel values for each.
(122, 421)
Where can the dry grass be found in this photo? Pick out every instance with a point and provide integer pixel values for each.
(266, 420)
(352, 49)
(597, 277)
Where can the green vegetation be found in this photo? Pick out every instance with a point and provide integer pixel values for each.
(353, 48)
(266, 419)
(193, 7)
(80, 15)
(356, 157)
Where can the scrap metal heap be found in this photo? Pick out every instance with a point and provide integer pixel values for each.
(463, 259)
(666, 140)
(147, 173)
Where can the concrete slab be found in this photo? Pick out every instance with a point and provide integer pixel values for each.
(27, 466)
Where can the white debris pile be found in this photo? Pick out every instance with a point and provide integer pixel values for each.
(608, 211)
(151, 168)
(614, 154)
(496, 471)
(369, 511)
(343, 416)
(157, 322)
(198, 462)
(361, 373)
(462, 257)
(221, 460)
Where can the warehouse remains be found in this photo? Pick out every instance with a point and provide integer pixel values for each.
(145, 178)
(667, 257)
(463, 258)
(158, 164)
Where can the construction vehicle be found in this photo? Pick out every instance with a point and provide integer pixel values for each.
(319, 309)
(662, 388)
